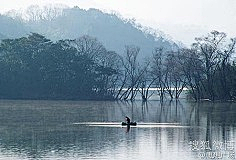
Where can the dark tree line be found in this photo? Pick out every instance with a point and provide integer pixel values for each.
(35, 67)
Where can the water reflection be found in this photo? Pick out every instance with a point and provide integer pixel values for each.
(47, 129)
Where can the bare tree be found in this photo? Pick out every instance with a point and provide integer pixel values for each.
(147, 81)
(49, 12)
(177, 79)
(224, 69)
(133, 71)
(192, 69)
(34, 13)
(209, 48)
(157, 71)
(108, 63)
(113, 62)
(90, 47)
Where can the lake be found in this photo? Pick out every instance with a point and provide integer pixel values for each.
(91, 130)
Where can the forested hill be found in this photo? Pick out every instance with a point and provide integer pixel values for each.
(112, 31)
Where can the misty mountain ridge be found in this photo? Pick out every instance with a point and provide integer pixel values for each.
(61, 22)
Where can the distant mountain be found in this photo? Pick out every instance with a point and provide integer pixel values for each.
(11, 28)
(112, 31)
(2, 36)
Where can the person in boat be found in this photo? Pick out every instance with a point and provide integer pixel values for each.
(127, 119)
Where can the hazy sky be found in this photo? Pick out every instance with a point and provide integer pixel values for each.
(181, 19)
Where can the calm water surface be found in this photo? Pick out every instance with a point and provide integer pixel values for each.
(91, 130)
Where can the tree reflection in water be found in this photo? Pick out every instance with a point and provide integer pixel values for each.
(45, 129)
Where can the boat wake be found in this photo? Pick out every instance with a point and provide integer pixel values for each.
(139, 125)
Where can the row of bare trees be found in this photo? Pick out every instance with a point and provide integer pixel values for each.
(159, 75)
(206, 71)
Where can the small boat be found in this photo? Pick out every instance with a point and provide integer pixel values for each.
(129, 124)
